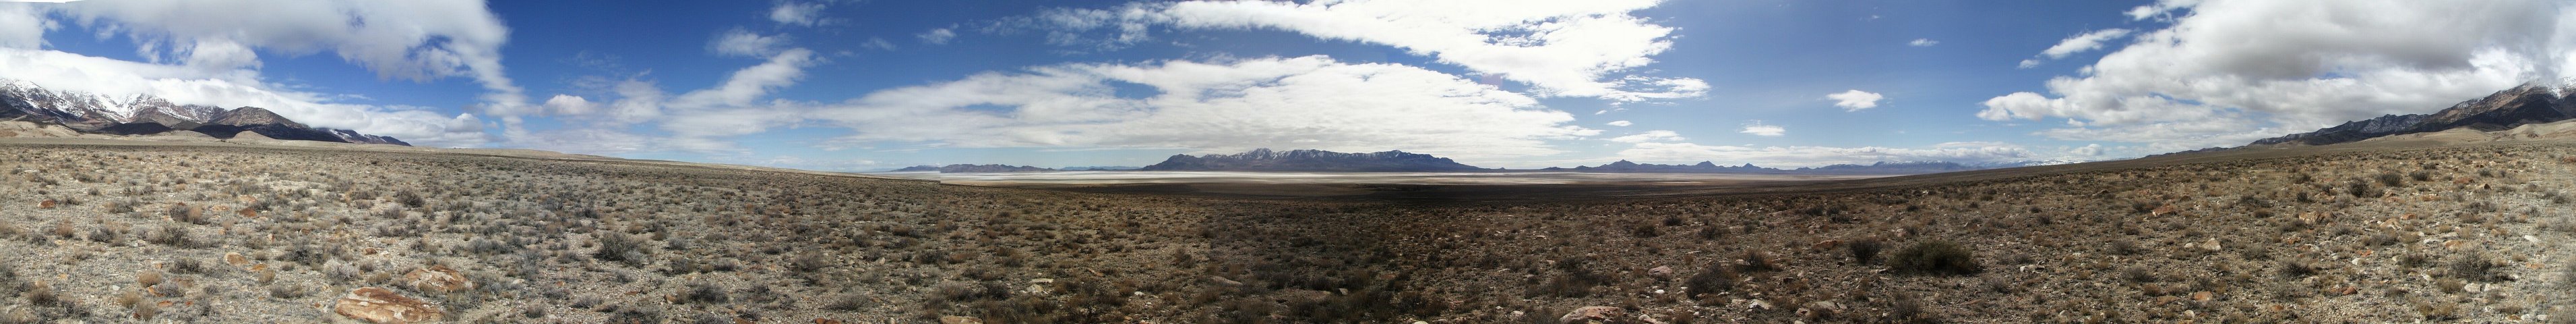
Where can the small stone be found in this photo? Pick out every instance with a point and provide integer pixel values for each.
(2212, 245)
(954, 319)
(47, 204)
(2203, 296)
(826, 321)
(235, 258)
(438, 279)
(1661, 272)
(1593, 314)
(382, 306)
(1224, 281)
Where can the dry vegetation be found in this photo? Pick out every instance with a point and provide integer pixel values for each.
(223, 234)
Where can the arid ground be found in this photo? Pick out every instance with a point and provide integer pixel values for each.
(2395, 230)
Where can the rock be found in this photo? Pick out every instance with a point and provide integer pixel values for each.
(2212, 245)
(826, 321)
(1593, 314)
(1819, 310)
(1223, 281)
(953, 319)
(2202, 296)
(381, 306)
(235, 258)
(437, 279)
(1661, 272)
(47, 204)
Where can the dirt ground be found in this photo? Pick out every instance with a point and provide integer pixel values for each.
(2381, 231)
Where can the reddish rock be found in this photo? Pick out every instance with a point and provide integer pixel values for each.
(382, 306)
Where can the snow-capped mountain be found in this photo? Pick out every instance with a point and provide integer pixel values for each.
(145, 114)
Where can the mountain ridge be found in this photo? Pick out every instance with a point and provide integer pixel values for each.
(2530, 103)
(1264, 159)
(145, 114)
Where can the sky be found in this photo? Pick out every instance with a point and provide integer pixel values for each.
(871, 85)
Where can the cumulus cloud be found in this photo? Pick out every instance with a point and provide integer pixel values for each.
(741, 42)
(1620, 123)
(571, 105)
(2225, 72)
(2079, 43)
(23, 26)
(1759, 129)
(1223, 106)
(1560, 48)
(1650, 136)
(937, 36)
(1814, 156)
(1923, 42)
(415, 40)
(795, 13)
(1855, 100)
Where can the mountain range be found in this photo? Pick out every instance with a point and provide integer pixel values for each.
(1311, 161)
(145, 114)
(2527, 104)
(973, 168)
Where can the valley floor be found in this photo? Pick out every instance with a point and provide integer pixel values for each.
(199, 232)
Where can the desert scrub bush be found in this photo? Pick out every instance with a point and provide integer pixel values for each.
(2476, 267)
(706, 293)
(1935, 257)
(620, 247)
(1756, 261)
(1864, 250)
(1711, 281)
(2125, 247)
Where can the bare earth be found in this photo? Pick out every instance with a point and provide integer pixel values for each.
(2438, 226)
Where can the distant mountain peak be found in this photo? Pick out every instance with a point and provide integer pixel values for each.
(2530, 103)
(146, 114)
(1264, 159)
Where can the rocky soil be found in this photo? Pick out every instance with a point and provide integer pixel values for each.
(213, 232)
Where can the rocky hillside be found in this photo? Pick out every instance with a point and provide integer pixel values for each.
(2527, 104)
(1312, 161)
(149, 115)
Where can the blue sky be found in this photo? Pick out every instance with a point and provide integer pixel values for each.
(860, 85)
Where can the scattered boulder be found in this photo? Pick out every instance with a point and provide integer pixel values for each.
(382, 306)
(1661, 272)
(1594, 314)
(437, 279)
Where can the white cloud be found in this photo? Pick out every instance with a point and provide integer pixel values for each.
(23, 26)
(2229, 71)
(571, 105)
(1814, 156)
(937, 36)
(1227, 106)
(2083, 42)
(1855, 100)
(1560, 48)
(1759, 129)
(1650, 136)
(741, 42)
(415, 40)
(878, 43)
(794, 13)
(1923, 42)
(749, 84)
(1620, 123)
